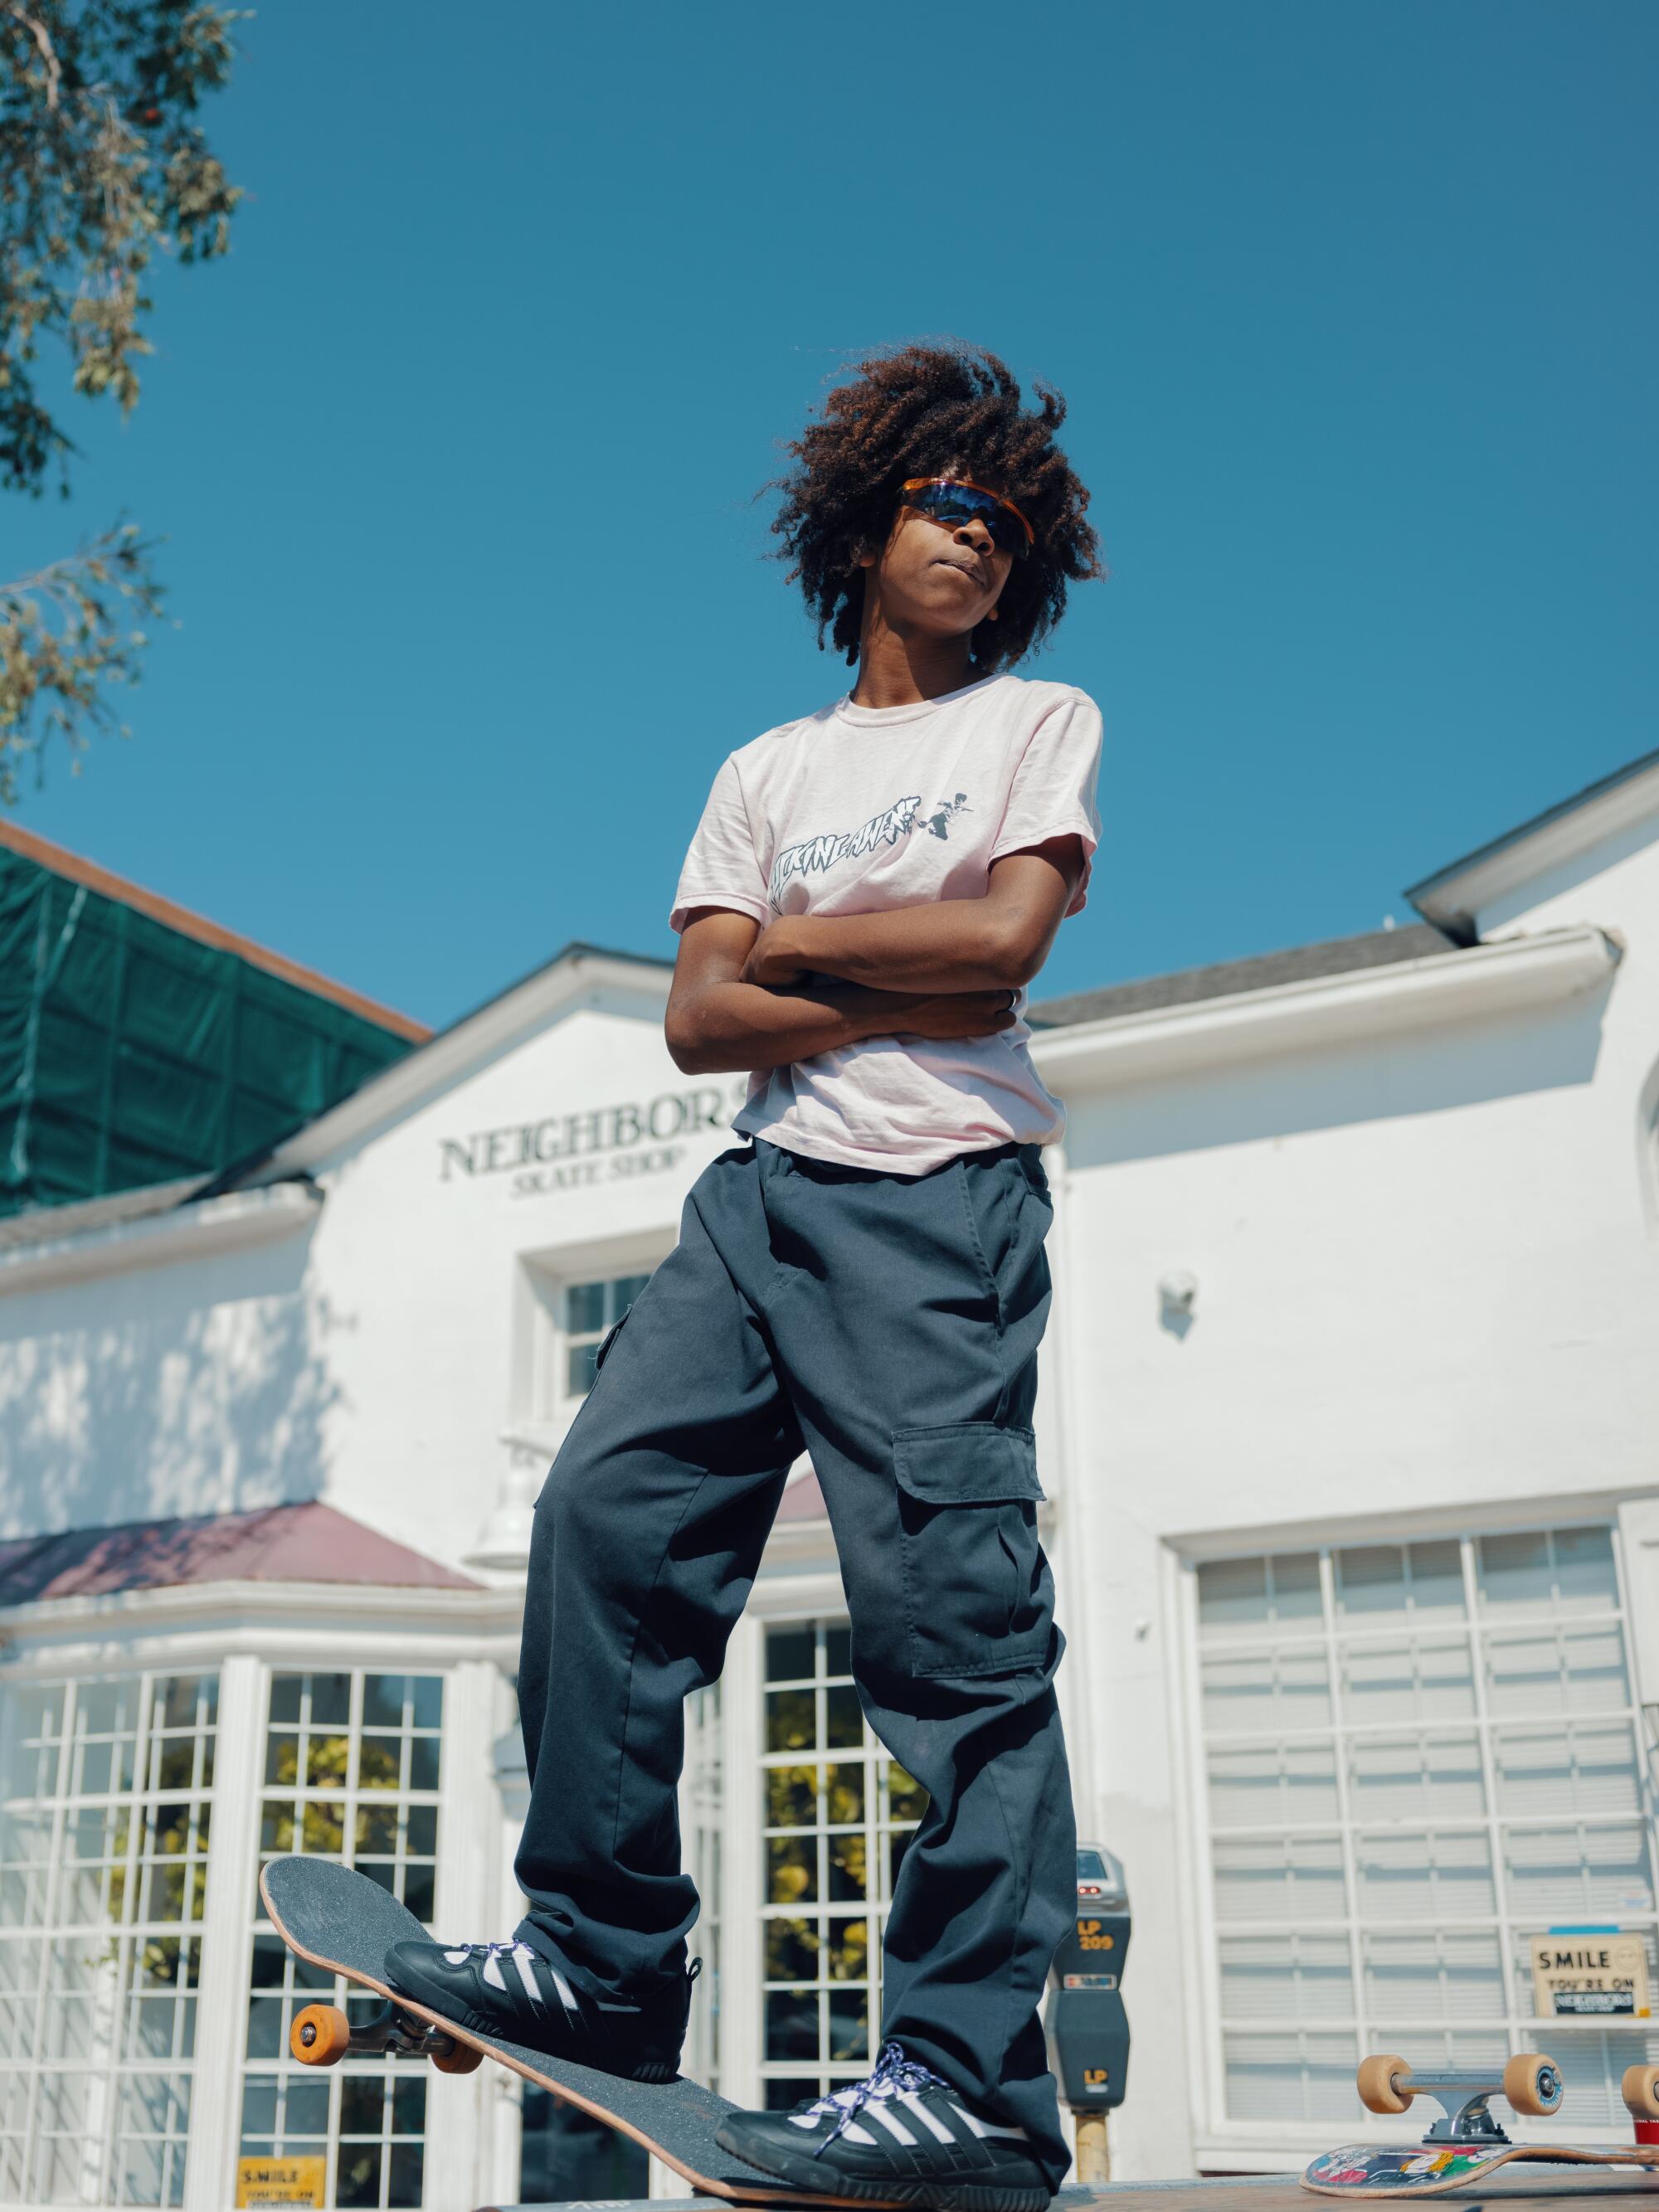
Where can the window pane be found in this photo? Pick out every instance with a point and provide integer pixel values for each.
(791, 1796)
(1295, 1879)
(1290, 2076)
(792, 1951)
(1404, 1777)
(584, 1308)
(1433, 1974)
(1409, 1875)
(1420, 1678)
(789, 1653)
(1286, 1978)
(792, 1864)
(843, 1723)
(1272, 1782)
(1286, 1689)
(791, 2024)
(1577, 1766)
(791, 1720)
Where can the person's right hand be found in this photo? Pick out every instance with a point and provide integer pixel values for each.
(955, 1014)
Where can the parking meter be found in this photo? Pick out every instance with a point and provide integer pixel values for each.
(1088, 2027)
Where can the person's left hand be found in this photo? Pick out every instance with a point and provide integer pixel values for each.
(773, 960)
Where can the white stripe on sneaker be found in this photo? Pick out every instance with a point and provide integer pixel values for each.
(492, 1973)
(567, 1995)
(934, 2127)
(521, 1958)
(876, 2108)
(989, 2127)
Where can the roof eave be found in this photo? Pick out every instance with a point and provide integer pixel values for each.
(1455, 897)
(236, 1219)
(360, 1611)
(1329, 1010)
(501, 1021)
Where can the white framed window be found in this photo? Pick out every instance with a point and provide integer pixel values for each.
(837, 1814)
(1416, 1756)
(567, 1302)
(588, 1312)
(103, 1836)
(352, 1767)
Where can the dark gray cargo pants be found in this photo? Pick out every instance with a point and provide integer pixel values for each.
(890, 1325)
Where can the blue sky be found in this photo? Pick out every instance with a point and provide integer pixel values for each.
(1354, 307)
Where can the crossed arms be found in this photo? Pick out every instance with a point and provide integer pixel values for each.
(741, 999)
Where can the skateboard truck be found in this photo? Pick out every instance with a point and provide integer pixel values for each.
(322, 2035)
(1531, 2082)
(1467, 2145)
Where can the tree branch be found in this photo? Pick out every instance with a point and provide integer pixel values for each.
(37, 31)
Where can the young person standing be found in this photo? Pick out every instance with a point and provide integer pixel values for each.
(870, 892)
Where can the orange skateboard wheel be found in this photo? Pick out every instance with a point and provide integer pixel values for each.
(1531, 2082)
(1375, 2083)
(320, 2035)
(459, 2058)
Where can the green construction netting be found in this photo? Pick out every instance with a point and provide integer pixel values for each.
(130, 1053)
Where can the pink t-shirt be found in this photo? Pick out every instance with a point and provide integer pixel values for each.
(855, 810)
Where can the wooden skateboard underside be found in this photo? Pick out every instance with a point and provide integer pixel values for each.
(1424, 2169)
(341, 1920)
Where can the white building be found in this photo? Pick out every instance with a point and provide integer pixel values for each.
(1350, 1406)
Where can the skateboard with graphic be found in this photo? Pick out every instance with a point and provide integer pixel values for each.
(341, 1920)
(1465, 2143)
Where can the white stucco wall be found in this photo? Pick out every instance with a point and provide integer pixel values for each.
(371, 1357)
(1428, 1297)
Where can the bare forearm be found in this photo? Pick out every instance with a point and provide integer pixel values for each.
(728, 1027)
(953, 944)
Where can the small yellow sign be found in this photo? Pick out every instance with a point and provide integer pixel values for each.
(281, 2181)
(1597, 1973)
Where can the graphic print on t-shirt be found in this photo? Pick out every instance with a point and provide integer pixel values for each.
(812, 856)
(939, 823)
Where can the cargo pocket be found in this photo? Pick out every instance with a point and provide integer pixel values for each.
(609, 1339)
(978, 1596)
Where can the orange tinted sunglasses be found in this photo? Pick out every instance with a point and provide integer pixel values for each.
(955, 499)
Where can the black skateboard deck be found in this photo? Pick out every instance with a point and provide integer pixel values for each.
(336, 1918)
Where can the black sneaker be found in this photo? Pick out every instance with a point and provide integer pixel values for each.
(903, 2136)
(516, 1995)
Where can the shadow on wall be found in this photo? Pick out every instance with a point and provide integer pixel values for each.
(1290, 1095)
(180, 1397)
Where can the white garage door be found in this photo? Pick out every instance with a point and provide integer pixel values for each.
(1416, 1757)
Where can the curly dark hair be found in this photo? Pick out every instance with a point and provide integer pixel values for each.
(918, 410)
